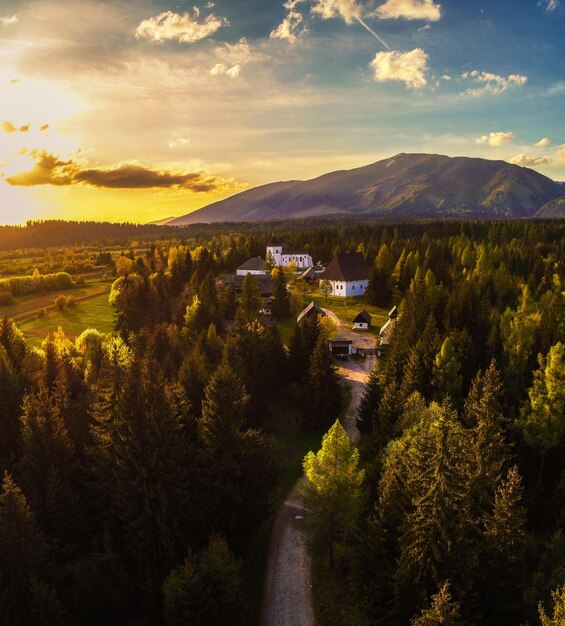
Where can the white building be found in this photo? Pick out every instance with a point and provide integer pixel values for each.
(254, 266)
(362, 320)
(348, 274)
(386, 330)
(284, 254)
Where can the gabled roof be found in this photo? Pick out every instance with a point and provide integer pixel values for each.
(347, 266)
(311, 309)
(308, 273)
(362, 318)
(255, 263)
(393, 313)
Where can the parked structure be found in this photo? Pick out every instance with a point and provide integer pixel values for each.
(362, 321)
(348, 274)
(340, 347)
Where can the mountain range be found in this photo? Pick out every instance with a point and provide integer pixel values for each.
(404, 186)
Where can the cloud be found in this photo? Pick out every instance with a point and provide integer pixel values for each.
(495, 139)
(526, 161)
(50, 169)
(550, 5)
(185, 27)
(410, 10)
(9, 128)
(555, 89)
(560, 153)
(408, 67)
(232, 58)
(293, 26)
(542, 143)
(8, 21)
(492, 83)
(178, 140)
(349, 10)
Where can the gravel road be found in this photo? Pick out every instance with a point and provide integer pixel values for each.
(287, 599)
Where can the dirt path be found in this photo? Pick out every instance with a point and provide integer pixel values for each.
(287, 599)
(360, 338)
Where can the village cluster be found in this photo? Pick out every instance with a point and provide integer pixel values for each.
(347, 275)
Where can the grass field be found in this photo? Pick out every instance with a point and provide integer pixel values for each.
(92, 313)
(347, 308)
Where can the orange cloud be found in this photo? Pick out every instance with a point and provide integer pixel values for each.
(50, 169)
(8, 127)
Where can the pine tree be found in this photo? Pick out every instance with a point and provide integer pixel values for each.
(334, 485)
(502, 555)
(223, 409)
(379, 291)
(11, 394)
(323, 395)
(544, 424)
(446, 376)
(437, 488)
(281, 297)
(558, 617)
(443, 610)
(489, 449)
(370, 399)
(387, 415)
(23, 554)
(205, 590)
(250, 302)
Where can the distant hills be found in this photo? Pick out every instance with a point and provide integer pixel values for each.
(404, 186)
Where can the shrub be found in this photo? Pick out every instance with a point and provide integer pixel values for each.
(80, 280)
(61, 302)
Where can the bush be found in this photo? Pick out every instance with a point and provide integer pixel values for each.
(80, 280)
(61, 302)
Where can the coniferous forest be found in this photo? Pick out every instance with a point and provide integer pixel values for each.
(142, 467)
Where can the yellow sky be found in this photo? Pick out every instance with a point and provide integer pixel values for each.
(143, 110)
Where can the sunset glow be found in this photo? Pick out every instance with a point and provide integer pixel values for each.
(142, 110)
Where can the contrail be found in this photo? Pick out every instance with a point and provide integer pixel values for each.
(377, 37)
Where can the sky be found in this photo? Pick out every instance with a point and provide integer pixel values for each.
(140, 110)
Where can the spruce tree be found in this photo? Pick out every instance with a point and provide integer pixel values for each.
(544, 423)
(250, 302)
(11, 394)
(370, 399)
(379, 291)
(281, 296)
(446, 376)
(24, 554)
(323, 395)
(206, 589)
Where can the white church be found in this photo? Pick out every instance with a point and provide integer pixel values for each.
(284, 254)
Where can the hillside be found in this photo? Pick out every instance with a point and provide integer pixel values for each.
(407, 185)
